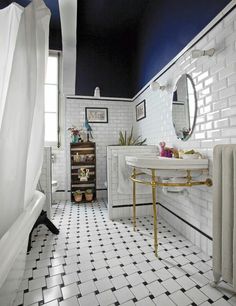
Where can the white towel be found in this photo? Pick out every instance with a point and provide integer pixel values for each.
(125, 185)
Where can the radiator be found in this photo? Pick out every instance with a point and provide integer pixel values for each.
(224, 214)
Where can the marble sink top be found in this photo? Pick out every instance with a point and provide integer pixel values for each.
(164, 163)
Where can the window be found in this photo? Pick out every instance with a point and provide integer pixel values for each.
(52, 101)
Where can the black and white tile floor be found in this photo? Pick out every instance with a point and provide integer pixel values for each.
(95, 261)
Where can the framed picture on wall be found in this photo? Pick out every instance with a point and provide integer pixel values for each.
(96, 114)
(141, 110)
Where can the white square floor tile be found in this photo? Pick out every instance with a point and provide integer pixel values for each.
(129, 269)
(70, 278)
(98, 262)
(156, 288)
(145, 302)
(135, 279)
(106, 298)
(180, 298)
(149, 276)
(129, 303)
(70, 290)
(140, 291)
(88, 300)
(220, 302)
(86, 276)
(33, 297)
(196, 295)
(52, 303)
(52, 293)
(40, 272)
(103, 272)
(199, 279)
(37, 283)
(54, 280)
(211, 292)
(163, 274)
(232, 300)
(103, 284)
(124, 294)
(171, 285)
(119, 281)
(87, 287)
(73, 301)
(116, 271)
(163, 300)
(68, 268)
(185, 282)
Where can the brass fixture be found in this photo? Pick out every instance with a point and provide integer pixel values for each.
(154, 184)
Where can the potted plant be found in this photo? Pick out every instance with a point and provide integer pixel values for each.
(129, 140)
(89, 195)
(78, 195)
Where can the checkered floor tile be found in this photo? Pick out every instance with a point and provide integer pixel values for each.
(95, 261)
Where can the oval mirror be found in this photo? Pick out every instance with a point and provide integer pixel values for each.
(184, 107)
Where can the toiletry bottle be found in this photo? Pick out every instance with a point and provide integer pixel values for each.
(162, 150)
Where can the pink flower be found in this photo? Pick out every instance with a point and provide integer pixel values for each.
(74, 131)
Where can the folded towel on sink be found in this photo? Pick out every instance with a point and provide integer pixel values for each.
(125, 185)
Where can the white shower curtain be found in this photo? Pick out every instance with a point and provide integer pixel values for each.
(21, 105)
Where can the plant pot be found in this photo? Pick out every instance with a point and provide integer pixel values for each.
(78, 197)
(89, 197)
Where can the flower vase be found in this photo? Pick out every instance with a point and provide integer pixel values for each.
(74, 139)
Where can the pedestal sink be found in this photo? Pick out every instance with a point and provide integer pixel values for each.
(164, 163)
(158, 167)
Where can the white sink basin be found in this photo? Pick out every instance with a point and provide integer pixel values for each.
(168, 167)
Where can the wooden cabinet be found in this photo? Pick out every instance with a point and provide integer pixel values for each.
(83, 168)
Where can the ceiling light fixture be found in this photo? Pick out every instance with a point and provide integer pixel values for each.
(199, 53)
(156, 86)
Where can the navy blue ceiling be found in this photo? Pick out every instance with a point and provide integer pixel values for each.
(122, 44)
(166, 28)
(55, 42)
(106, 45)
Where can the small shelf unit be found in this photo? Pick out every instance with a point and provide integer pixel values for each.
(83, 156)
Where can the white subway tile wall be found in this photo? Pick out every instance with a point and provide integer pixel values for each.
(119, 118)
(118, 203)
(215, 81)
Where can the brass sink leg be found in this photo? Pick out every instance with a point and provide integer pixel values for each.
(154, 211)
(134, 199)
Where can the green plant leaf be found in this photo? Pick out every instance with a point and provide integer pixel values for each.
(141, 142)
(136, 140)
(129, 142)
(125, 139)
(121, 138)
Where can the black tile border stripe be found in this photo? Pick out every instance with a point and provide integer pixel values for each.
(170, 211)
(177, 216)
(103, 99)
(131, 205)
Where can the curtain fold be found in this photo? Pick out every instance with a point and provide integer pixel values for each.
(22, 123)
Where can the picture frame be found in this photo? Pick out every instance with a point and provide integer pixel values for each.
(141, 110)
(96, 114)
